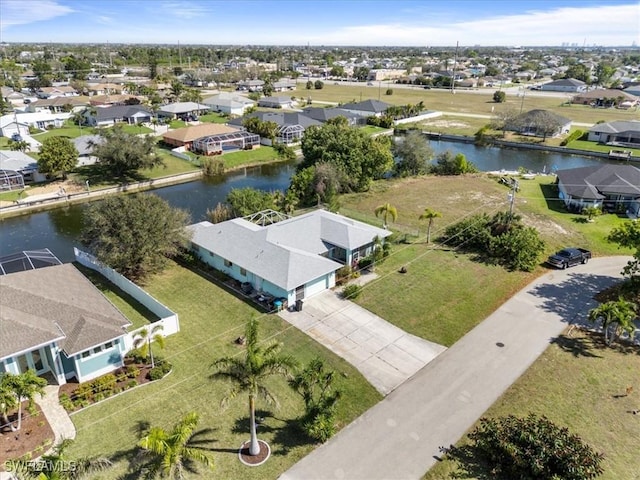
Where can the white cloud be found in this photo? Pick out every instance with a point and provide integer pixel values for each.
(186, 10)
(22, 12)
(605, 25)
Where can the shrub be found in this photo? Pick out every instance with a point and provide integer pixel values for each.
(575, 135)
(285, 151)
(352, 291)
(99, 396)
(132, 383)
(211, 167)
(365, 262)
(105, 383)
(389, 91)
(156, 374)
(499, 96)
(66, 402)
(530, 447)
(343, 273)
(132, 371)
(84, 391)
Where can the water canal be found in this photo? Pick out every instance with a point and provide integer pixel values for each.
(59, 229)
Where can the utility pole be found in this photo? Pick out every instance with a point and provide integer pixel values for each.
(453, 75)
(512, 197)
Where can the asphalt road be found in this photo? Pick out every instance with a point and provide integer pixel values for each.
(400, 437)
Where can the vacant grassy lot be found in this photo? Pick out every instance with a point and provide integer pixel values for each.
(466, 102)
(214, 118)
(263, 154)
(210, 321)
(577, 383)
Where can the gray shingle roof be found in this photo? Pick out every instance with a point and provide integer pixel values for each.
(324, 114)
(373, 106)
(287, 253)
(282, 119)
(55, 303)
(618, 126)
(593, 182)
(117, 112)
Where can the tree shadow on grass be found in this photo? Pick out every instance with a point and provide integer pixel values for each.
(550, 194)
(286, 433)
(576, 346)
(469, 464)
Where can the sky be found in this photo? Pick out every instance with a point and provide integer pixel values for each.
(324, 22)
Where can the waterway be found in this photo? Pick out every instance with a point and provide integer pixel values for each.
(59, 229)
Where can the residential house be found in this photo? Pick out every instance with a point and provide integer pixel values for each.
(291, 125)
(106, 116)
(614, 187)
(61, 91)
(250, 85)
(605, 97)
(10, 95)
(569, 85)
(323, 114)
(220, 143)
(183, 110)
(284, 84)
(184, 137)
(619, 132)
(230, 104)
(540, 123)
(104, 89)
(115, 99)
(84, 145)
(382, 74)
(293, 259)
(58, 104)
(367, 108)
(20, 122)
(276, 102)
(17, 169)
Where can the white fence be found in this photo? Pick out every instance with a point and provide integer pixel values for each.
(168, 319)
(179, 152)
(418, 118)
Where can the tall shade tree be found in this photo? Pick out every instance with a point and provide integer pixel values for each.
(627, 235)
(617, 316)
(143, 339)
(429, 215)
(122, 153)
(134, 235)
(8, 399)
(386, 211)
(58, 155)
(56, 465)
(248, 374)
(414, 155)
(173, 452)
(25, 387)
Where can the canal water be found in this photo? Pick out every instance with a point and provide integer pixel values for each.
(59, 229)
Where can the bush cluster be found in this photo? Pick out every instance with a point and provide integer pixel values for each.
(160, 370)
(352, 291)
(502, 238)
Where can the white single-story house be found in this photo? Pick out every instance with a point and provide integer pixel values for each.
(619, 132)
(85, 149)
(20, 122)
(292, 259)
(610, 186)
(59, 91)
(228, 103)
(183, 110)
(570, 85)
(276, 102)
(17, 169)
(54, 321)
(106, 116)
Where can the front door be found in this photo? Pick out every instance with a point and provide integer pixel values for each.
(33, 360)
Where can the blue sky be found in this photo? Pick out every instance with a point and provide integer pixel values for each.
(323, 22)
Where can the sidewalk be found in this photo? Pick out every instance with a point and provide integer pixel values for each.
(57, 416)
(400, 437)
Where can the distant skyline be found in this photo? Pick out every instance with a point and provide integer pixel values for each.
(317, 22)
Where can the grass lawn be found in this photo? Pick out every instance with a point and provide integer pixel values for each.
(214, 118)
(575, 383)
(174, 124)
(249, 157)
(371, 130)
(593, 146)
(129, 306)
(173, 166)
(12, 195)
(136, 129)
(210, 320)
(69, 131)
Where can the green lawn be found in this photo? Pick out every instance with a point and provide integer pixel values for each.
(214, 118)
(593, 146)
(210, 320)
(370, 129)
(256, 156)
(175, 124)
(69, 131)
(577, 383)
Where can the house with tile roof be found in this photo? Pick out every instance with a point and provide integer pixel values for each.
(614, 187)
(292, 259)
(619, 132)
(184, 137)
(55, 321)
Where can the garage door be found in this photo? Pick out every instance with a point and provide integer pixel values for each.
(315, 287)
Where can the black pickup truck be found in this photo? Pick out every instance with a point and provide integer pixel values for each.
(568, 257)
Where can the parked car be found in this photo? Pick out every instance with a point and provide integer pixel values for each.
(568, 257)
(16, 137)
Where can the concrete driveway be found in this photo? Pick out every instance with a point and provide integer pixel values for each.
(400, 437)
(386, 355)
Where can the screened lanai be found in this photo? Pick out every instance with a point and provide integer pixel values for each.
(217, 144)
(27, 260)
(11, 180)
(290, 134)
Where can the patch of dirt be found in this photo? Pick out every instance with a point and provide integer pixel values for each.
(35, 436)
(446, 124)
(55, 187)
(544, 225)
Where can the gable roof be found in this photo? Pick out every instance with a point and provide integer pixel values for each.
(607, 93)
(17, 161)
(618, 126)
(51, 304)
(324, 114)
(183, 107)
(373, 106)
(226, 99)
(593, 182)
(565, 82)
(281, 118)
(288, 253)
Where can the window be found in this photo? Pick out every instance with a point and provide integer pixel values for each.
(243, 272)
(227, 263)
(86, 354)
(97, 349)
(211, 254)
(108, 345)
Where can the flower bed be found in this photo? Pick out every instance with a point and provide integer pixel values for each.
(74, 396)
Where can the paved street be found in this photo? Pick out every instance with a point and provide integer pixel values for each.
(399, 438)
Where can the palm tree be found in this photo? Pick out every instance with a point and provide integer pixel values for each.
(19, 146)
(387, 210)
(8, 399)
(143, 338)
(248, 374)
(175, 451)
(429, 215)
(25, 387)
(56, 466)
(591, 212)
(619, 314)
